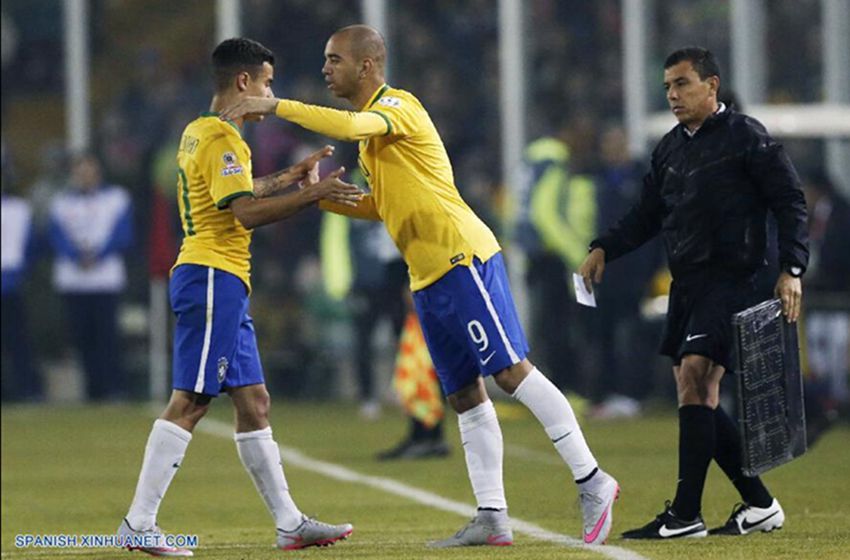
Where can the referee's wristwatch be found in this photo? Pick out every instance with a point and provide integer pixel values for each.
(795, 271)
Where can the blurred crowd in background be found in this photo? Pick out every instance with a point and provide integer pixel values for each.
(83, 234)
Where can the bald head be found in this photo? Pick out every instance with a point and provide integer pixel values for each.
(364, 42)
(354, 63)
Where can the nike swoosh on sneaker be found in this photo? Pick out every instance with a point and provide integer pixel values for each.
(499, 540)
(487, 359)
(593, 535)
(296, 542)
(746, 525)
(691, 337)
(163, 551)
(666, 533)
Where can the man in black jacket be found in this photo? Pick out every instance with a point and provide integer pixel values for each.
(712, 180)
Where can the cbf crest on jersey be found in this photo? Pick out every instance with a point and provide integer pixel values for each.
(389, 102)
(231, 164)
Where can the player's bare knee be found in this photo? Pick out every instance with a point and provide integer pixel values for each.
(468, 397)
(509, 379)
(252, 406)
(262, 404)
(702, 392)
(687, 395)
(462, 403)
(506, 381)
(186, 409)
(697, 391)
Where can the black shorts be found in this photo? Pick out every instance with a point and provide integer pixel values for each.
(699, 317)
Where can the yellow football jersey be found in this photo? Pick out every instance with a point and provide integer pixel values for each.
(411, 178)
(214, 167)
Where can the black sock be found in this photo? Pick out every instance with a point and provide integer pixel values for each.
(418, 431)
(696, 448)
(727, 453)
(436, 432)
(421, 432)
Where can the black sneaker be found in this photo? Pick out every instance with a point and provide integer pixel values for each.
(668, 526)
(746, 519)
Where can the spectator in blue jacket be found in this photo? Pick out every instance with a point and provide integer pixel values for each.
(90, 229)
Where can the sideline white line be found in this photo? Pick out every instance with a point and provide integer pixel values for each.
(295, 458)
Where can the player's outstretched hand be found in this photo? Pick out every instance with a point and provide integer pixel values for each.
(789, 290)
(307, 170)
(333, 189)
(249, 106)
(592, 268)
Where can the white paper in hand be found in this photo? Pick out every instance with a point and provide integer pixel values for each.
(582, 295)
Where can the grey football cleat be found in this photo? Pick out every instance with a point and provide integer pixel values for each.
(312, 533)
(597, 498)
(490, 528)
(151, 541)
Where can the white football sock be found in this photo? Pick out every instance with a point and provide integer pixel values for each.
(483, 448)
(261, 457)
(164, 452)
(553, 410)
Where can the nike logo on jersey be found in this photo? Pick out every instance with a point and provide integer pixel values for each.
(691, 337)
(487, 359)
(666, 533)
(746, 525)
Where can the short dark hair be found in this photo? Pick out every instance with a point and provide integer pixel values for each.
(233, 56)
(701, 59)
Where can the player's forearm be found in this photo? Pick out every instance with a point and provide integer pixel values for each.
(342, 125)
(365, 209)
(254, 212)
(273, 183)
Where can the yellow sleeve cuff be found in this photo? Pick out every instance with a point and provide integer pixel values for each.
(342, 125)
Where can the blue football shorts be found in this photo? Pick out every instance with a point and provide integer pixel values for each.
(215, 346)
(470, 323)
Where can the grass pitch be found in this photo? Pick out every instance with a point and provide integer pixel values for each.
(72, 470)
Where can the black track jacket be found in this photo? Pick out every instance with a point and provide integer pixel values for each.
(709, 195)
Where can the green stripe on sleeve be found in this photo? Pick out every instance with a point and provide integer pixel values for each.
(225, 202)
(386, 120)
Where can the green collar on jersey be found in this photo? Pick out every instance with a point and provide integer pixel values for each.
(215, 114)
(381, 91)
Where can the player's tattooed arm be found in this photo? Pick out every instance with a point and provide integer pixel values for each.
(305, 173)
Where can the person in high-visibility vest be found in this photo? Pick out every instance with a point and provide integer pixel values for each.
(555, 223)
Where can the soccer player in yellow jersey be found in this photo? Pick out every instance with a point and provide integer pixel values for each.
(215, 348)
(457, 275)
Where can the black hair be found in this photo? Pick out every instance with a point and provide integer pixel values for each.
(233, 56)
(701, 59)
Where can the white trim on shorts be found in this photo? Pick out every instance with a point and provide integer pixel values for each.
(199, 381)
(478, 282)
